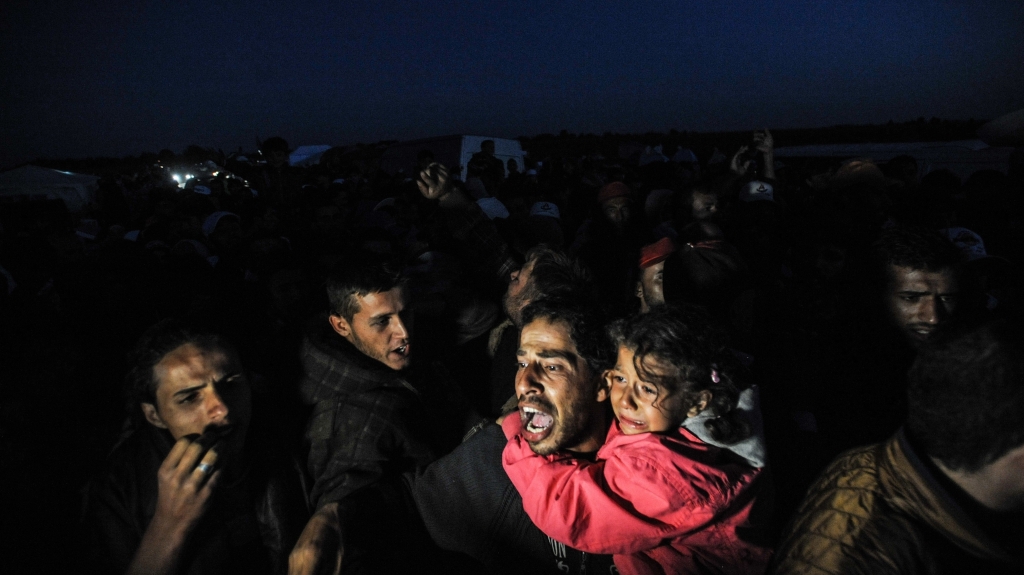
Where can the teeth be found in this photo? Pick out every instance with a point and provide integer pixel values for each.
(534, 429)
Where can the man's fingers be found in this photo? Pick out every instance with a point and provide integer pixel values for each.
(206, 490)
(205, 469)
(177, 452)
(189, 460)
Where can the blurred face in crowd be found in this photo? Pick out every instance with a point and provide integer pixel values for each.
(517, 295)
(379, 329)
(199, 389)
(922, 303)
(617, 211)
(651, 287)
(705, 206)
(559, 396)
(642, 406)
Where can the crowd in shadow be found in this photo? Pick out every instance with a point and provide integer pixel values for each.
(823, 288)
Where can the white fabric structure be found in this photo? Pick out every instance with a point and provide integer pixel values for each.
(307, 155)
(1007, 130)
(452, 151)
(33, 182)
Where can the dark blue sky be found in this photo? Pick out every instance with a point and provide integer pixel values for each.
(122, 77)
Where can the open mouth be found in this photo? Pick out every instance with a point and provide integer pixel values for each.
(631, 425)
(401, 351)
(537, 424)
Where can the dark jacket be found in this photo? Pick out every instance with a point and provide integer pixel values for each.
(250, 527)
(880, 510)
(368, 420)
(469, 508)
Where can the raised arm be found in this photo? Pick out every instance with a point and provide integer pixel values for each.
(465, 221)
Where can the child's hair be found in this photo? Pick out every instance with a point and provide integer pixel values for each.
(685, 339)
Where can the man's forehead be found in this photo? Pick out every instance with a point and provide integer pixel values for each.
(922, 280)
(376, 304)
(542, 336)
(189, 362)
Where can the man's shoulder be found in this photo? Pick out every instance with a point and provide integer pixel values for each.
(333, 369)
(847, 520)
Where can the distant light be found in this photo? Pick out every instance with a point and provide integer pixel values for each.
(176, 178)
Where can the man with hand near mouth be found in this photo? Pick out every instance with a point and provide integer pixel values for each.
(194, 487)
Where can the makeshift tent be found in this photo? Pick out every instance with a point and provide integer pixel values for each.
(34, 182)
(963, 157)
(307, 155)
(452, 151)
(1007, 130)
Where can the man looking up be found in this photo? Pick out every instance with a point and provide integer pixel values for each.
(547, 273)
(946, 493)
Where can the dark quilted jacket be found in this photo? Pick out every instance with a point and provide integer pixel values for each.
(878, 510)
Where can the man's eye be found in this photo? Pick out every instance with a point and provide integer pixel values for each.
(521, 364)
(188, 399)
(909, 298)
(949, 298)
(552, 367)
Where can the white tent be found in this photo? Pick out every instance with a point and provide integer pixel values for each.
(307, 155)
(33, 182)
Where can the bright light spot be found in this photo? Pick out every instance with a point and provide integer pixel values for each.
(176, 178)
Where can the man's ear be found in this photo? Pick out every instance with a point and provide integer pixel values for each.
(703, 399)
(340, 325)
(639, 291)
(149, 410)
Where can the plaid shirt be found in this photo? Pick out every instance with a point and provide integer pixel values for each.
(369, 420)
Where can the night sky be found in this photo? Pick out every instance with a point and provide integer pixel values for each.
(114, 77)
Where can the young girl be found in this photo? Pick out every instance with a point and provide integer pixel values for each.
(674, 486)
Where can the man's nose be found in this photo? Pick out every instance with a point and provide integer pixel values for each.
(526, 380)
(216, 407)
(400, 332)
(931, 311)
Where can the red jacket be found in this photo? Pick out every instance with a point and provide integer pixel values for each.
(659, 503)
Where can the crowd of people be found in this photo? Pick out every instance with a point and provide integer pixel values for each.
(579, 365)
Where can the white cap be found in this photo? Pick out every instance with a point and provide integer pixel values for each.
(210, 224)
(545, 209)
(493, 208)
(756, 190)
